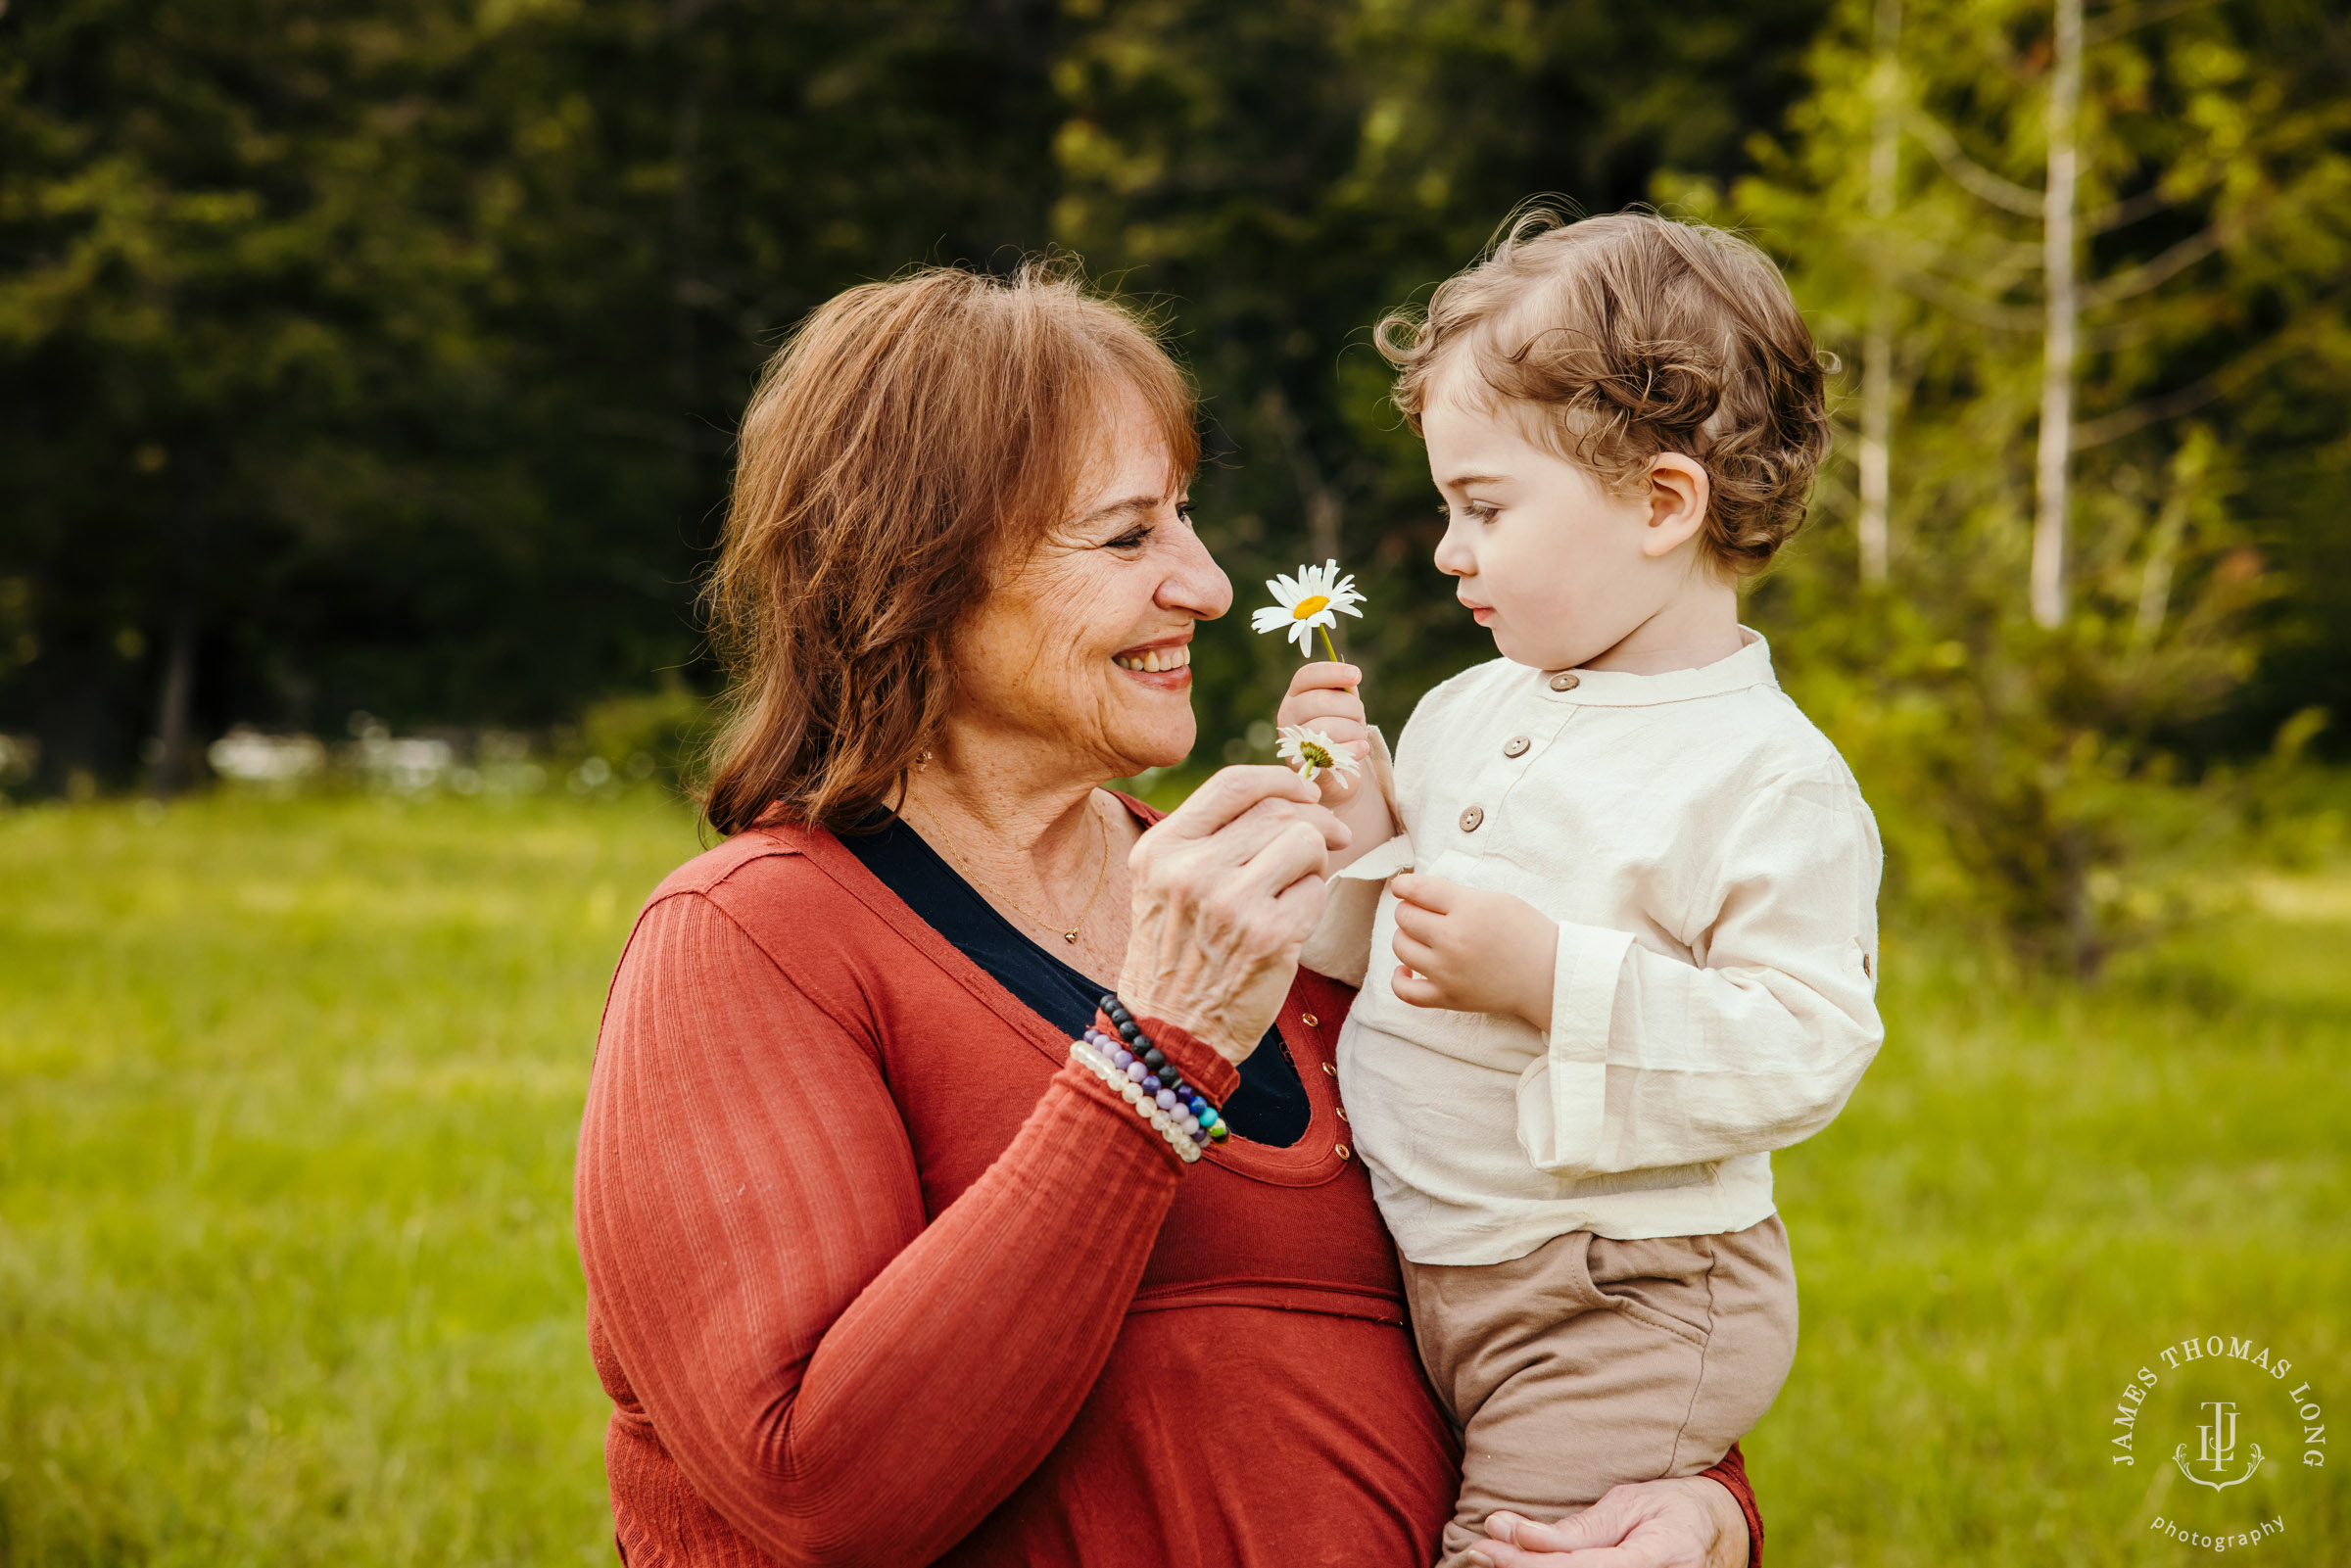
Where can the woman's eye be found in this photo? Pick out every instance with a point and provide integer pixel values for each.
(1183, 512)
(1133, 539)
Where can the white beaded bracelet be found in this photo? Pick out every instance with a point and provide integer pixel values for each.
(1101, 1066)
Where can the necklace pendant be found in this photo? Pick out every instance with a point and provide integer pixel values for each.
(1069, 936)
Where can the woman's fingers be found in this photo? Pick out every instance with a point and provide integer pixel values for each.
(1245, 837)
(1298, 850)
(1229, 794)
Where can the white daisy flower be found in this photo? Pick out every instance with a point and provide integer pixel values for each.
(1312, 752)
(1315, 598)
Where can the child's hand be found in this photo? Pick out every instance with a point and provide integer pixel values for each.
(1321, 695)
(1473, 951)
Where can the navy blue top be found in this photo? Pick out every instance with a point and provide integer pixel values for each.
(1269, 1106)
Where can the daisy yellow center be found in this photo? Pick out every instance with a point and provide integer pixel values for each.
(1309, 606)
(1315, 754)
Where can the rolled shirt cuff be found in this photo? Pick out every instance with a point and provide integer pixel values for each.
(1562, 1096)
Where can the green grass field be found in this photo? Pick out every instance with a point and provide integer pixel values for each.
(287, 1099)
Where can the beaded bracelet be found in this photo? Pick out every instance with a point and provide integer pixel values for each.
(1148, 1067)
(1090, 1057)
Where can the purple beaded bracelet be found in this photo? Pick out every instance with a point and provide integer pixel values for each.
(1135, 1055)
(1165, 1123)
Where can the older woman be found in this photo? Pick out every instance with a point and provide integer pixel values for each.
(882, 1267)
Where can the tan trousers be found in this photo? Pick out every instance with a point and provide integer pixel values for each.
(1590, 1362)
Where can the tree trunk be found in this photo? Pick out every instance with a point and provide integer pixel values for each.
(2054, 469)
(1322, 507)
(174, 700)
(1877, 343)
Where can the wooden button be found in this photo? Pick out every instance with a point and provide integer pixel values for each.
(1515, 747)
(1342, 1151)
(1565, 680)
(1327, 1068)
(1310, 1020)
(1471, 818)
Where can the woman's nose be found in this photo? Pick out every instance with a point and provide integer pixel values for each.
(1195, 585)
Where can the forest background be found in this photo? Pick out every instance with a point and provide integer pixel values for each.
(382, 356)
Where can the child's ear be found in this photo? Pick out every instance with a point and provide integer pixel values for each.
(1678, 494)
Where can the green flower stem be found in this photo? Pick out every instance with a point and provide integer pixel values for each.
(1331, 647)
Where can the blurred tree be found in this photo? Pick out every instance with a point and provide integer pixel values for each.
(2015, 673)
(1283, 174)
(384, 354)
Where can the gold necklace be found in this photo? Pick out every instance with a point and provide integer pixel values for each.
(1101, 875)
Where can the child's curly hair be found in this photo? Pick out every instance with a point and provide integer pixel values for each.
(1632, 335)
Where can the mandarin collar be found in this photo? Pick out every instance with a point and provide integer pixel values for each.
(1750, 667)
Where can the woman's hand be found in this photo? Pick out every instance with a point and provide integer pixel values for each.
(1225, 891)
(1690, 1522)
(1473, 951)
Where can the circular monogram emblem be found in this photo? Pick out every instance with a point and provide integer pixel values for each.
(2219, 1432)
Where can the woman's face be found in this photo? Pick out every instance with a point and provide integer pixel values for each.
(1083, 652)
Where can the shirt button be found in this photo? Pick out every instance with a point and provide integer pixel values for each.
(1342, 1113)
(1310, 1020)
(1327, 1068)
(1515, 747)
(1565, 680)
(1471, 818)
(1341, 1151)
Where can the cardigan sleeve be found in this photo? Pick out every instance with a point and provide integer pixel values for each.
(841, 1380)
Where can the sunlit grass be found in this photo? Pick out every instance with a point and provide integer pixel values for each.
(287, 1101)
(2030, 1196)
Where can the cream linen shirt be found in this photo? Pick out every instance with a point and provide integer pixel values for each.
(1713, 871)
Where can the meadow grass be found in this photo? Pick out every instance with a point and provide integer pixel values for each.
(287, 1101)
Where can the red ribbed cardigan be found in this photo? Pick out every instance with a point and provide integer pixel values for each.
(876, 1277)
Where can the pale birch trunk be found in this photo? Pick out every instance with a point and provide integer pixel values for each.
(2054, 468)
(1877, 340)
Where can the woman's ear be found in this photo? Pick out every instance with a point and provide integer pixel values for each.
(1678, 496)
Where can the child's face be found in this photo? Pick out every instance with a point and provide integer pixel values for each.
(1557, 567)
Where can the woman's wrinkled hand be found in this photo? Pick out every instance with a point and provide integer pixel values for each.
(1227, 888)
(1690, 1522)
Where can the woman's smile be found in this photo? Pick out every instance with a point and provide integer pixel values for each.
(1164, 665)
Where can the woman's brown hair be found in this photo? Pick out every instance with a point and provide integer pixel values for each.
(909, 442)
(1632, 335)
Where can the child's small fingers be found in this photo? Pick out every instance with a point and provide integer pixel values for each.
(1325, 708)
(1412, 988)
(1414, 954)
(1322, 675)
(1432, 893)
